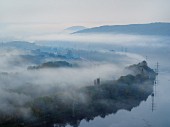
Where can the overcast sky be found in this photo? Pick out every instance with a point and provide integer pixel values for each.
(58, 14)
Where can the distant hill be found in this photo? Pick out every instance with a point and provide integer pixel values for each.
(51, 64)
(75, 28)
(20, 45)
(162, 29)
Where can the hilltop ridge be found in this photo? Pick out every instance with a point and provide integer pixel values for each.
(162, 29)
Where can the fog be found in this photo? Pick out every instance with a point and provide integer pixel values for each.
(116, 42)
(19, 86)
(10, 61)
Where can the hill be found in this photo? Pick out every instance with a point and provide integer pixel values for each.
(75, 28)
(51, 64)
(162, 29)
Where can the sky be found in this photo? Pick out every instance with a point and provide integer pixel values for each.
(54, 15)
